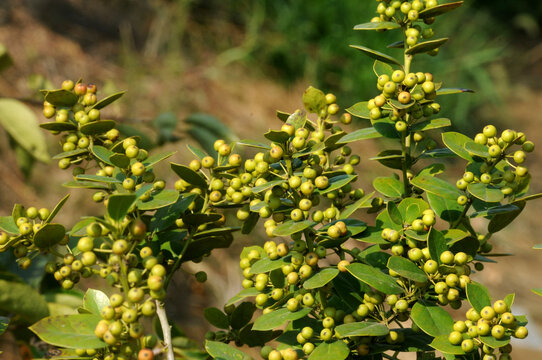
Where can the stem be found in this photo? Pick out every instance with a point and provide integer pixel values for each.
(166, 329)
(405, 144)
(178, 262)
(458, 221)
(124, 277)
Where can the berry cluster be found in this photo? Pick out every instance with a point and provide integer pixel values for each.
(509, 175)
(405, 99)
(406, 12)
(492, 321)
(28, 222)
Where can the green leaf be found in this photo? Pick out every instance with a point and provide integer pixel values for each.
(95, 300)
(321, 278)
(439, 10)
(364, 202)
(314, 100)
(454, 235)
(406, 269)
(23, 126)
(166, 216)
(360, 110)
(250, 223)
(158, 200)
(61, 98)
(500, 221)
(452, 91)
(49, 235)
(375, 278)
(485, 192)
(537, 291)
(337, 350)
(386, 127)
(494, 343)
(221, 351)
(389, 186)
(107, 100)
(394, 213)
(250, 292)
(156, 158)
(97, 178)
(376, 55)
(398, 105)
(69, 154)
(509, 300)
(298, 119)
(360, 134)
(4, 323)
(189, 175)
(442, 344)
(309, 151)
(436, 244)
(252, 143)
(216, 318)
(432, 319)
(21, 299)
(197, 219)
(278, 317)
(266, 186)
(432, 124)
(266, 265)
(478, 296)
(381, 25)
(277, 136)
(477, 149)
(392, 158)
(412, 208)
(364, 328)
(495, 210)
(102, 153)
(242, 315)
(338, 182)
(425, 46)
(215, 232)
(58, 126)
(69, 331)
(57, 208)
(456, 142)
(85, 185)
(119, 205)
(97, 127)
(120, 160)
(291, 227)
(380, 68)
(436, 186)
(447, 209)
(8, 225)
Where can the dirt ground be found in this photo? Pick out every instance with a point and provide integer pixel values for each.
(247, 103)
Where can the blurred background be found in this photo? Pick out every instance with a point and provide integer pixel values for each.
(240, 61)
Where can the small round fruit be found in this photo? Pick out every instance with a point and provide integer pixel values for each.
(489, 131)
(487, 313)
(404, 97)
(430, 266)
(455, 338)
(467, 345)
(521, 332)
(145, 354)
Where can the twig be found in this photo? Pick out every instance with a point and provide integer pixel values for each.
(166, 329)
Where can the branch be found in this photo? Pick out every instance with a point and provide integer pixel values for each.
(166, 329)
